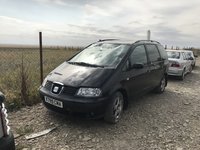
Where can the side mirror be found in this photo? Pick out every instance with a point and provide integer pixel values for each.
(195, 55)
(2, 97)
(137, 66)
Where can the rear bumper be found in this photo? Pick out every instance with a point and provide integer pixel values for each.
(7, 143)
(75, 104)
(175, 71)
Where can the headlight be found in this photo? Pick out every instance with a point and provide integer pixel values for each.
(89, 92)
(44, 82)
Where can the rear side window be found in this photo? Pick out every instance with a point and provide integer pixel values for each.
(190, 54)
(153, 53)
(162, 51)
(184, 56)
(138, 56)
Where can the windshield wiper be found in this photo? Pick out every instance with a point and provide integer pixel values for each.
(85, 64)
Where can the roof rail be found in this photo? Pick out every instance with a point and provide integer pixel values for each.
(147, 41)
(106, 40)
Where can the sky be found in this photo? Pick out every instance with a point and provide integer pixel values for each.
(80, 22)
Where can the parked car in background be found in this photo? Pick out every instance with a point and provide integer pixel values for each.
(179, 63)
(191, 57)
(6, 137)
(102, 77)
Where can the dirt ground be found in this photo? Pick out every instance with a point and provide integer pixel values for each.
(153, 122)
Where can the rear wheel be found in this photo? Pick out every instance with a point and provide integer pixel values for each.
(162, 85)
(182, 77)
(115, 108)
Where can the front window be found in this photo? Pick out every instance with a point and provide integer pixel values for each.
(175, 55)
(153, 52)
(138, 56)
(101, 55)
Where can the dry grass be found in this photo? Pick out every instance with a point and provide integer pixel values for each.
(20, 71)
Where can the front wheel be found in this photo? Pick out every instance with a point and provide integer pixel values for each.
(115, 108)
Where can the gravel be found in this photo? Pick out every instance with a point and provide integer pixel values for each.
(155, 122)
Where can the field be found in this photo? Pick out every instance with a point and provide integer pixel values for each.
(20, 72)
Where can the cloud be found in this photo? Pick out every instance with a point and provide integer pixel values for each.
(53, 33)
(174, 21)
(57, 2)
(170, 21)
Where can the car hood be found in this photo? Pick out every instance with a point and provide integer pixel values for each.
(77, 76)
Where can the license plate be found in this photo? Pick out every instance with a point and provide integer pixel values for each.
(53, 102)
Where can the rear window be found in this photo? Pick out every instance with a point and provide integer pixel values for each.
(175, 55)
(153, 52)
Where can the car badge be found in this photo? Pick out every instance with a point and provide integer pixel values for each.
(55, 89)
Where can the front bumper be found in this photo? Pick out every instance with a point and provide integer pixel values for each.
(75, 104)
(175, 71)
(7, 143)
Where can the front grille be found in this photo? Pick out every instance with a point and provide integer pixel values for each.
(67, 90)
(48, 85)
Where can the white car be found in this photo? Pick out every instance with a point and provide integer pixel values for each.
(179, 63)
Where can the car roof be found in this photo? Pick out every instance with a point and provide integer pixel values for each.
(125, 41)
(188, 51)
(171, 50)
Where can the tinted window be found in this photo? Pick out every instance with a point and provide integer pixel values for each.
(184, 56)
(153, 52)
(138, 55)
(162, 51)
(191, 54)
(175, 55)
(102, 54)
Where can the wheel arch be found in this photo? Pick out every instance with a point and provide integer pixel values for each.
(166, 78)
(125, 96)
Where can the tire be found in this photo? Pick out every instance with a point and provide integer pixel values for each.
(182, 77)
(161, 88)
(114, 109)
(191, 68)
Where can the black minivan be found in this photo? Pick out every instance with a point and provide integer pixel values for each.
(103, 77)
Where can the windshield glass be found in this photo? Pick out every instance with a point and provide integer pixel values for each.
(101, 54)
(175, 55)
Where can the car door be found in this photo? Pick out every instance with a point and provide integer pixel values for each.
(155, 65)
(186, 61)
(136, 76)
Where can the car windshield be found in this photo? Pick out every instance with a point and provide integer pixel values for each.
(175, 55)
(101, 55)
